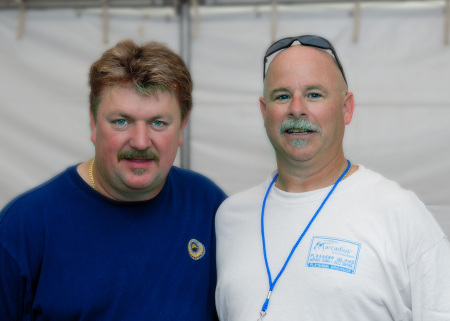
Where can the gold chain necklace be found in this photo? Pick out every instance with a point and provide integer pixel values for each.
(346, 174)
(91, 177)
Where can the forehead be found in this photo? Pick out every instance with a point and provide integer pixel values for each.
(127, 98)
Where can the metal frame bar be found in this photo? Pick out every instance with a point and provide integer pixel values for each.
(274, 20)
(59, 4)
(185, 53)
(447, 23)
(21, 22)
(356, 20)
(105, 16)
(76, 4)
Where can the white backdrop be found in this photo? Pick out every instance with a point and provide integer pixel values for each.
(399, 72)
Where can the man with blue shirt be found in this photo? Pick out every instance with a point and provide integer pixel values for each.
(125, 235)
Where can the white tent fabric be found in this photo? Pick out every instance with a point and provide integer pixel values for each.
(399, 71)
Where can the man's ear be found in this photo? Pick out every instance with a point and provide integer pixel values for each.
(92, 124)
(349, 107)
(182, 127)
(262, 107)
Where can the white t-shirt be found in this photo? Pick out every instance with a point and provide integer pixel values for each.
(374, 252)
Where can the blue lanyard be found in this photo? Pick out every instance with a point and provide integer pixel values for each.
(272, 284)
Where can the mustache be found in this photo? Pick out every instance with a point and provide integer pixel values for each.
(299, 124)
(138, 154)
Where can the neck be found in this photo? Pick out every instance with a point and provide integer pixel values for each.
(125, 193)
(310, 176)
(90, 174)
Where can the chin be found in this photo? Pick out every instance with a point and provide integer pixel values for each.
(146, 181)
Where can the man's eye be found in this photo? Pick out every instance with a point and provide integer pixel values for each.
(158, 123)
(121, 122)
(281, 97)
(314, 95)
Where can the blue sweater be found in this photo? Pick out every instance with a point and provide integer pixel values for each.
(69, 253)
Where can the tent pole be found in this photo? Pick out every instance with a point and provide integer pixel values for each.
(356, 21)
(274, 20)
(21, 27)
(185, 49)
(447, 23)
(105, 14)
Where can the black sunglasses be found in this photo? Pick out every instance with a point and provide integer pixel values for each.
(308, 40)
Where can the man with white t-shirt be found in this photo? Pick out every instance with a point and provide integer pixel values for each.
(322, 238)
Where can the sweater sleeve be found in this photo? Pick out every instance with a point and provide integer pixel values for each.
(11, 287)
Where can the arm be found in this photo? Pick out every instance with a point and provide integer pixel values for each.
(430, 284)
(11, 287)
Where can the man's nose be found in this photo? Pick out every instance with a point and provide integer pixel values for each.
(141, 136)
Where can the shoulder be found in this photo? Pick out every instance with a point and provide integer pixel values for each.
(24, 220)
(40, 196)
(383, 190)
(245, 200)
(384, 196)
(190, 177)
(401, 211)
(193, 182)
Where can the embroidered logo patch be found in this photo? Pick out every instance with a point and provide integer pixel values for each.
(196, 249)
(334, 254)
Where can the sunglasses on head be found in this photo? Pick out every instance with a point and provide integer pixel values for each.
(308, 40)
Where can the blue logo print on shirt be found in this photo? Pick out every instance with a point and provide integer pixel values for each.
(334, 254)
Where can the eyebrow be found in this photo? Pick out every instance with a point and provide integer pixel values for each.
(125, 115)
(315, 87)
(278, 90)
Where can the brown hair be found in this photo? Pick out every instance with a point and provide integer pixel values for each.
(151, 67)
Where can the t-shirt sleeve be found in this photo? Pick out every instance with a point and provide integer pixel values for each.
(430, 284)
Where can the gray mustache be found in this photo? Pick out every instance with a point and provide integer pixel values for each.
(300, 124)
